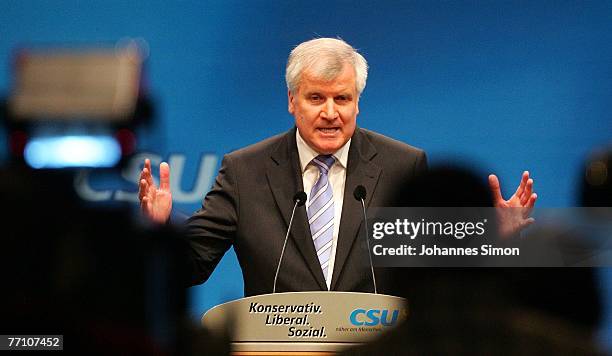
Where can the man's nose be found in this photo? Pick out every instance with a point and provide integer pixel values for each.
(329, 111)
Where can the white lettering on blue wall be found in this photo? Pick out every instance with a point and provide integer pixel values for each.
(131, 173)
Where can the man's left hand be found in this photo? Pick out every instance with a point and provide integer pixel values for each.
(515, 219)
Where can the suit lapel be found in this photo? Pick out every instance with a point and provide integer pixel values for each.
(360, 171)
(285, 179)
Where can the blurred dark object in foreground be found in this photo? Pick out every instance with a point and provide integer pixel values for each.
(446, 186)
(109, 284)
(95, 276)
(597, 180)
(486, 311)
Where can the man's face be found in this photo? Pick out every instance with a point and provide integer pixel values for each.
(326, 111)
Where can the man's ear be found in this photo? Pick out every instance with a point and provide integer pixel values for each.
(290, 105)
(357, 106)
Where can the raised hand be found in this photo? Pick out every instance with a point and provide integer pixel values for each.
(513, 214)
(156, 203)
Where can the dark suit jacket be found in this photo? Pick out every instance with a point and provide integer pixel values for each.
(251, 202)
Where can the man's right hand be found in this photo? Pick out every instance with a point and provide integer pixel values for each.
(155, 203)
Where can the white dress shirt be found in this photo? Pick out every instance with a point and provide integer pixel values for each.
(337, 179)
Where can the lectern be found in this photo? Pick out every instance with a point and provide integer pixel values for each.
(304, 323)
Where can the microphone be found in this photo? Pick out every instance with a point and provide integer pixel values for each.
(360, 193)
(299, 199)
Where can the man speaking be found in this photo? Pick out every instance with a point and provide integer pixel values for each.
(326, 156)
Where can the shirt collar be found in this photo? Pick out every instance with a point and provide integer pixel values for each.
(307, 153)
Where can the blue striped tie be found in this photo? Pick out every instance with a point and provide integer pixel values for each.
(321, 211)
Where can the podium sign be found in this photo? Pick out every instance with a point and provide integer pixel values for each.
(305, 321)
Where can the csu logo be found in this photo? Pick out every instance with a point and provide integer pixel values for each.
(131, 173)
(373, 317)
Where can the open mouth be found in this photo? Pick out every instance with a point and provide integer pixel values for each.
(328, 130)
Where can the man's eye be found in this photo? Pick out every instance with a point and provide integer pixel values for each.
(341, 98)
(315, 98)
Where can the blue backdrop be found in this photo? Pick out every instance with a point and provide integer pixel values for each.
(502, 85)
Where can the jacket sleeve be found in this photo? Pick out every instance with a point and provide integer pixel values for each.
(212, 229)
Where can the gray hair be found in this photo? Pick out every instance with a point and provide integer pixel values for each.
(325, 58)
